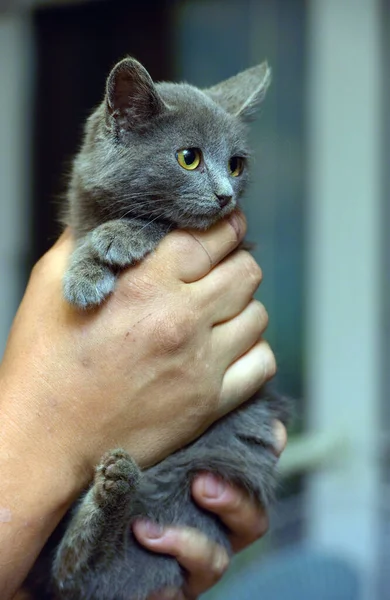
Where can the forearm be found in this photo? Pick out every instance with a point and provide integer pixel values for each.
(37, 487)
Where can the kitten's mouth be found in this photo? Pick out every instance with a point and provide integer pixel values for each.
(228, 208)
(206, 219)
(222, 208)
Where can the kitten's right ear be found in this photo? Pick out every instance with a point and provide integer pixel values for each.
(131, 96)
(241, 95)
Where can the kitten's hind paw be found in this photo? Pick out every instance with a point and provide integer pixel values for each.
(116, 476)
(88, 287)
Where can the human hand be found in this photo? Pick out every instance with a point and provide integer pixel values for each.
(204, 560)
(175, 347)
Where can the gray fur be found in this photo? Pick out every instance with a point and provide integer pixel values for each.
(127, 191)
(127, 172)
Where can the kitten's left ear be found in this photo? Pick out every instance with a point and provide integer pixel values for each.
(132, 99)
(240, 95)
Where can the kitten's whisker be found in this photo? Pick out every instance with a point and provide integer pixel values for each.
(150, 222)
(139, 215)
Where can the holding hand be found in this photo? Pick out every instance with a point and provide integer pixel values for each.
(204, 560)
(175, 347)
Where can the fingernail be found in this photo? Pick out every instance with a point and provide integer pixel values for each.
(149, 529)
(213, 486)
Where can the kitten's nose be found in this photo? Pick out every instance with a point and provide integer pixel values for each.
(223, 200)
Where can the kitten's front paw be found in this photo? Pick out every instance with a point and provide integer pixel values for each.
(88, 288)
(116, 476)
(116, 244)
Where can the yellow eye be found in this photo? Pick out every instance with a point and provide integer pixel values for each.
(236, 166)
(189, 158)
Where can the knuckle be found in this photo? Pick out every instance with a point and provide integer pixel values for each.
(177, 243)
(187, 543)
(219, 564)
(173, 330)
(186, 538)
(269, 360)
(251, 269)
(280, 436)
(136, 288)
(238, 223)
(261, 314)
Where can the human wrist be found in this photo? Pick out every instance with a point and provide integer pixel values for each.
(33, 447)
(38, 487)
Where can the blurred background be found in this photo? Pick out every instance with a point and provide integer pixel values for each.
(318, 210)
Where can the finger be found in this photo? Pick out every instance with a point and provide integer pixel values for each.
(246, 376)
(204, 560)
(228, 288)
(244, 517)
(280, 436)
(193, 254)
(233, 339)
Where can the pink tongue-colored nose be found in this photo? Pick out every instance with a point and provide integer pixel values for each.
(223, 200)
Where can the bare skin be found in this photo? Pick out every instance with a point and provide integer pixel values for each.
(177, 345)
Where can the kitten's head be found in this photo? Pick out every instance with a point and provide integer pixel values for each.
(170, 151)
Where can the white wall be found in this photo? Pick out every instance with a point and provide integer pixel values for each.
(16, 73)
(343, 275)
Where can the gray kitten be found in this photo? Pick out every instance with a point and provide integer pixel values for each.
(155, 157)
